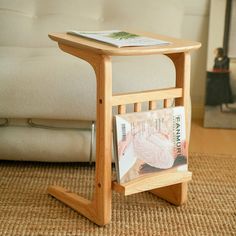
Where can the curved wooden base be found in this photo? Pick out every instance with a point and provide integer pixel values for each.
(83, 206)
(175, 194)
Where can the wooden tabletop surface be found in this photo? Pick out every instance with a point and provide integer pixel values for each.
(175, 46)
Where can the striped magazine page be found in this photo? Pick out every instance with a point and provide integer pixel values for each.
(152, 141)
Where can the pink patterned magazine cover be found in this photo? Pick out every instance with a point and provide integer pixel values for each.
(147, 142)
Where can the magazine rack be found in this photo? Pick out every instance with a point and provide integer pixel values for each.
(169, 186)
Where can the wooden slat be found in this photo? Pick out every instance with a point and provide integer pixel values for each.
(151, 95)
(165, 103)
(152, 181)
(151, 105)
(137, 107)
(121, 109)
(182, 64)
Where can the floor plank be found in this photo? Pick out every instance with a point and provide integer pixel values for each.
(209, 140)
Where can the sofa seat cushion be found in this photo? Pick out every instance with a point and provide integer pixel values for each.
(49, 84)
(36, 144)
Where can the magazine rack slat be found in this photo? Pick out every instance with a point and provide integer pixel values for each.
(151, 182)
(170, 186)
(143, 96)
(151, 105)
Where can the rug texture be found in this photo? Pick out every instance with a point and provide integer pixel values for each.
(26, 209)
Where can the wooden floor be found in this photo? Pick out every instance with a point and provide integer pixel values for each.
(208, 140)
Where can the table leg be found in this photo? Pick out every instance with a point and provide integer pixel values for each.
(99, 209)
(177, 194)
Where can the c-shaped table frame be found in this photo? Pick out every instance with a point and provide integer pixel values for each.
(99, 209)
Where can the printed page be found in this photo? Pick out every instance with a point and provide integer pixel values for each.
(119, 38)
(152, 141)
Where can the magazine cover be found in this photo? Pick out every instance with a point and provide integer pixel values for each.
(118, 38)
(147, 142)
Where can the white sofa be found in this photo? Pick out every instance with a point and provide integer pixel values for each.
(41, 87)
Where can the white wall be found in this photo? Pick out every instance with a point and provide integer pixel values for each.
(216, 29)
(195, 27)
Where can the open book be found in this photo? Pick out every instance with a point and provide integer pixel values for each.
(148, 142)
(119, 38)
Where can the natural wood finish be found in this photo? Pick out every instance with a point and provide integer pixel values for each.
(176, 45)
(175, 194)
(144, 96)
(101, 203)
(165, 103)
(74, 201)
(102, 196)
(151, 105)
(121, 109)
(169, 185)
(182, 64)
(137, 107)
(152, 181)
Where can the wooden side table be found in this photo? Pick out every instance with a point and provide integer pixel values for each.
(169, 186)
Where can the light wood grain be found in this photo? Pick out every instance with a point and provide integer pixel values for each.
(144, 96)
(182, 64)
(102, 196)
(175, 46)
(169, 185)
(74, 201)
(99, 210)
(175, 194)
(137, 107)
(152, 105)
(165, 103)
(152, 181)
(121, 109)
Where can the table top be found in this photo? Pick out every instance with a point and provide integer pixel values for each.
(175, 46)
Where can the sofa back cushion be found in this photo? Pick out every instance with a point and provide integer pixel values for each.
(157, 16)
(26, 23)
(37, 80)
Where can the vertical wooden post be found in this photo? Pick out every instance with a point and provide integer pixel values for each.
(102, 195)
(151, 105)
(177, 194)
(165, 103)
(137, 107)
(121, 109)
(182, 62)
(99, 209)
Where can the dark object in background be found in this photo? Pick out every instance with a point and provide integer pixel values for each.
(218, 90)
(221, 62)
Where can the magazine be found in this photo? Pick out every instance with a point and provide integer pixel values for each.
(119, 38)
(147, 142)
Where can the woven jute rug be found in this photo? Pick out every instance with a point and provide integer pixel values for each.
(26, 209)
